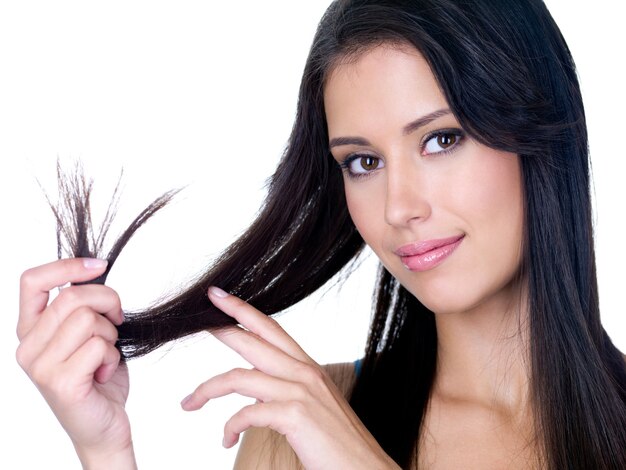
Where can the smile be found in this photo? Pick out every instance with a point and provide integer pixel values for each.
(425, 255)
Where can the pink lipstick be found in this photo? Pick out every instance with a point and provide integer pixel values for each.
(425, 255)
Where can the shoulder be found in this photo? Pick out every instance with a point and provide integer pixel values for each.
(343, 375)
(263, 448)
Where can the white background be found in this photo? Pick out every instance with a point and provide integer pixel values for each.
(187, 93)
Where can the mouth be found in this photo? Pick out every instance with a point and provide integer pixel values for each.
(427, 254)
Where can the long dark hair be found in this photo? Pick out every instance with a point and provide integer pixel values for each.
(510, 80)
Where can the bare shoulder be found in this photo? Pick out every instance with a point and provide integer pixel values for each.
(343, 374)
(262, 448)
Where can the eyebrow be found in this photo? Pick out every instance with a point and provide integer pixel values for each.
(408, 129)
(421, 122)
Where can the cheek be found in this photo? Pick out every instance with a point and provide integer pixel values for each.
(366, 209)
(489, 193)
(486, 202)
(494, 204)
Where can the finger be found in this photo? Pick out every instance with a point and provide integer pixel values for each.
(257, 322)
(98, 298)
(95, 355)
(36, 284)
(261, 354)
(73, 380)
(108, 367)
(79, 327)
(278, 416)
(246, 382)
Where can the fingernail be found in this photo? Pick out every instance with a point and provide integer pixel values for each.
(217, 292)
(94, 263)
(185, 400)
(224, 441)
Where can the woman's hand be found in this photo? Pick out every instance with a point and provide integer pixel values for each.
(67, 348)
(295, 396)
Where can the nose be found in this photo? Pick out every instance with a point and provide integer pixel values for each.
(407, 199)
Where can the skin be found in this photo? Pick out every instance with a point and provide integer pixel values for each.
(408, 186)
(67, 349)
(479, 414)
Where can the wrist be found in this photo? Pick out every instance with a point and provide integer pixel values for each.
(122, 459)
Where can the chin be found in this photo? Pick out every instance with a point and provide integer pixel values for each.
(437, 301)
(444, 306)
(451, 298)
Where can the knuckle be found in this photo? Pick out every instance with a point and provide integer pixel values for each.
(20, 331)
(230, 424)
(112, 332)
(69, 296)
(80, 319)
(311, 374)
(84, 319)
(245, 414)
(27, 279)
(39, 373)
(115, 300)
(300, 392)
(117, 354)
(235, 376)
(21, 356)
(238, 373)
(273, 323)
(296, 411)
(97, 345)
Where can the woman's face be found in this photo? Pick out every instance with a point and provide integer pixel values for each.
(443, 213)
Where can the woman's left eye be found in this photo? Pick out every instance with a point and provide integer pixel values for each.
(442, 141)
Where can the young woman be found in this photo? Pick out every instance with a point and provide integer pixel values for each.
(449, 137)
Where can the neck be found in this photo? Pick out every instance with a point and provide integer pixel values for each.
(483, 354)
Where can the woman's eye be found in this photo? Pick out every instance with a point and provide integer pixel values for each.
(363, 164)
(442, 142)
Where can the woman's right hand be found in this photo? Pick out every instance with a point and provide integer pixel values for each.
(67, 348)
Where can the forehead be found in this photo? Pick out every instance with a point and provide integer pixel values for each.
(387, 85)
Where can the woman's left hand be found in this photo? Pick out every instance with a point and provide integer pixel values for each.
(294, 395)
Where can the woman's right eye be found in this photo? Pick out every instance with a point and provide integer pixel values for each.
(362, 165)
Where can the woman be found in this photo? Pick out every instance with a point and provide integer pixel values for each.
(449, 137)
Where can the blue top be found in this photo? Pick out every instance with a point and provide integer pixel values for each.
(357, 366)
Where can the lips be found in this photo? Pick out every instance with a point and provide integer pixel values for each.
(427, 254)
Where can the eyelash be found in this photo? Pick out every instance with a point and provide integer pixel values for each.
(457, 133)
(345, 165)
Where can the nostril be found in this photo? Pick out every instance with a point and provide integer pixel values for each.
(405, 205)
